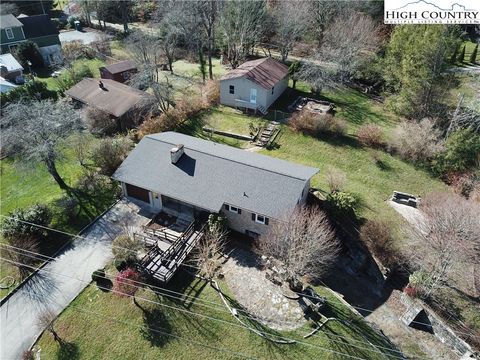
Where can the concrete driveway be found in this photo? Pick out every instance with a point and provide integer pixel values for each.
(53, 287)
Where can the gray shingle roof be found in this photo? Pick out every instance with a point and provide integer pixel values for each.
(210, 174)
(37, 26)
(8, 21)
(121, 66)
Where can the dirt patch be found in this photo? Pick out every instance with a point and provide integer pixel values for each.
(259, 296)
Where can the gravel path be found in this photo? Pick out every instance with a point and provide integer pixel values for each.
(259, 296)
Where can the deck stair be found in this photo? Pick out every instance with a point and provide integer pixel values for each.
(162, 265)
(262, 110)
(267, 133)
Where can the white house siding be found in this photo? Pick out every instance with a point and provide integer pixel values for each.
(242, 92)
(278, 90)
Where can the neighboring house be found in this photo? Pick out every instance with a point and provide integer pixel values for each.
(107, 95)
(11, 33)
(121, 71)
(37, 28)
(254, 85)
(6, 86)
(10, 69)
(42, 31)
(188, 176)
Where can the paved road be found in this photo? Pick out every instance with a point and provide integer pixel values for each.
(53, 288)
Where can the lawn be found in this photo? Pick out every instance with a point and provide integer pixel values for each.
(228, 119)
(102, 325)
(25, 185)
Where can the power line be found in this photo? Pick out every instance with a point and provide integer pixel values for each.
(194, 267)
(218, 306)
(202, 315)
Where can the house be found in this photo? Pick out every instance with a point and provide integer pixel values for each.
(184, 175)
(10, 69)
(37, 28)
(107, 95)
(42, 31)
(120, 71)
(254, 85)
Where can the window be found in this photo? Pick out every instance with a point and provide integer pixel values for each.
(273, 89)
(260, 219)
(232, 89)
(9, 33)
(233, 209)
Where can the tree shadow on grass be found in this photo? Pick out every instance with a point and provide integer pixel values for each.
(68, 351)
(157, 328)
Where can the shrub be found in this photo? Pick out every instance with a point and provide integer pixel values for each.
(22, 260)
(32, 90)
(342, 202)
(310, 123)
(68, 206)
(28, 355)
(212, 92)
(126, 282)
(72, 76)
(125, 249)
(99, 122)
(462, 152)
(419, 142)
(37, 214)
(109, 153)
(462, 183)
(96, 186)
(336, 180)
(411, 291)
(378, 237)
(98, 275)
(370, 135)
(28, 51)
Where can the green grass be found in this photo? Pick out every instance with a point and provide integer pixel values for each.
(225, 118)
(44, 73)
(101, 325)
(469, 46)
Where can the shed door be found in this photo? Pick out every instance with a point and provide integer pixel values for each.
(137, 193)
(253, 96)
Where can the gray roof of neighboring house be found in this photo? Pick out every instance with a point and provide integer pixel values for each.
(10, 62)
(121, 66)
(8, 21)
(265, 72)
(210, 174)
(114, 98)
(38, 25)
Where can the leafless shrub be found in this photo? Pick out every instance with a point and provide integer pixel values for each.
(446, 244)
(206, 256)
(335, 179)
(377, 235)
(314, 124)
(125, 248)
(46, 321)
(80, 146)
(109, 153)
(21, 256)
(99, 122)
(416, 141)
(370, 135)
(303, 241)
(28, 355)
(212, 92)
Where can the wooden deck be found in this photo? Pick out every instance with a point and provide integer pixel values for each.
(168, 250)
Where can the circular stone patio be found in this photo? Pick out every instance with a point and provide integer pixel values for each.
(259, 296)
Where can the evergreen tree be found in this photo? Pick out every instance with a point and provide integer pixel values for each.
(454, 55)
(473, 55)
(462, 54)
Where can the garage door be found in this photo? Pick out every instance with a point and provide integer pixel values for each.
(137, 193)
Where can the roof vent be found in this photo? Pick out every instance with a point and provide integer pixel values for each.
(176, 153)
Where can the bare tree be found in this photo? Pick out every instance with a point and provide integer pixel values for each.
(241, 25)
(208, 13)
(322, 13)
(206, 256)
(347, 42)
(304, 242)
(20, 256)
(145, 49)
(290, 24)
(35, 129)
(445, 245)
(46, 321)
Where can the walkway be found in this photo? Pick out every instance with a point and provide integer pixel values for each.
(53, 288)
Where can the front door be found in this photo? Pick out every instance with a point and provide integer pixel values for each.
(253, 96)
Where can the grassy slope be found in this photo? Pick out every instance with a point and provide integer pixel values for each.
(120, 331)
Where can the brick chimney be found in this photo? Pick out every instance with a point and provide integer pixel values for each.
(100, 84)
(176, 153)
